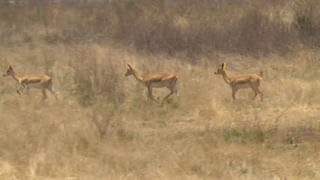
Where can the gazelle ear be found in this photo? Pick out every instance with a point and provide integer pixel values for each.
(223, 65)
(9, 67)
(129, 66)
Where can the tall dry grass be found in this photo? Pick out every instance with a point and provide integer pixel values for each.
(103, 127)
(174, 28)
(110, 130)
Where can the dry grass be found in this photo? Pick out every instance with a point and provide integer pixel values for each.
(103, 127)
(109, 130)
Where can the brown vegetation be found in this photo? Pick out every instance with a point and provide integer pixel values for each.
(103, 127)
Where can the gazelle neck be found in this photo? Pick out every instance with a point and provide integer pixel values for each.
(15, 76)
(137, 76)
(226, 77)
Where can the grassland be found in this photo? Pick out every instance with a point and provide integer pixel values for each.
(103, 127)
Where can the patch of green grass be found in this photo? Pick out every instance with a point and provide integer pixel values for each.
(243, 170)
(125, 135)
(243, 136)
(162, 123)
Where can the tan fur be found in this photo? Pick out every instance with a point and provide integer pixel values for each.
(239, 82)
(43, 80)
(158, 80)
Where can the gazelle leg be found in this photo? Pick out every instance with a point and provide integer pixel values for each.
(51, 89)
(20, 89)
(255, 92)
(44, 93)
(234, 91)
(175, 90)
(165, 98)
(150, 94)
(260, 93)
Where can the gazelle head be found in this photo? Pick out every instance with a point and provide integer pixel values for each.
(221, 69)
(8, 72)
(130, 71)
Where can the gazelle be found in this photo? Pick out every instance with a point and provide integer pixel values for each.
(43, 80)
(239, 82)
(159, 80)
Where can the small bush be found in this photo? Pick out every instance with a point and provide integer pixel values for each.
(93, 80)
(165, 27)
(306, 21)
